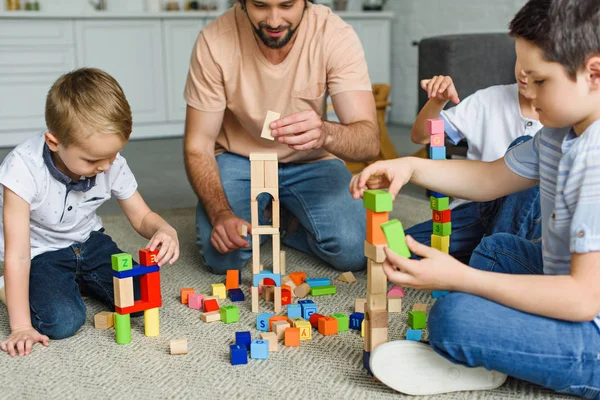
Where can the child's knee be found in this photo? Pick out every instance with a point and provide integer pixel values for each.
(445, 320)
(60, 324)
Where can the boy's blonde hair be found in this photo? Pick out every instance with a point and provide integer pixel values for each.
(86, 101)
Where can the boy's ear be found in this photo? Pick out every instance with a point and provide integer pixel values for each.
(51, 141)
(593, 71)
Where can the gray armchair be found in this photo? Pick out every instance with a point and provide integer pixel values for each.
(474, 61)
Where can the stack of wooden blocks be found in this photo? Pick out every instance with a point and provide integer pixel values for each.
(264, 179)
(441, 214)
(151, 301)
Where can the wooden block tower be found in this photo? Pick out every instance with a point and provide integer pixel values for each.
(378, 204)
(442, 225)
(264, 179)
(123, 273)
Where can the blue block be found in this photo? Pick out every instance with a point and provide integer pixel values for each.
(259, 349)
(236, 294)
(256, 278)
(304, 302)
(437, 153)
(136, 271)
(294, 310)
(414, 334)
(356, 320)
(308, 308)
(239, 354)
(436, 294)
(436, 194)
(262, 321)
(366, 361)
(315, 282)
(243, 338)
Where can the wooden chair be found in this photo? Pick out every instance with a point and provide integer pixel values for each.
(381, 91)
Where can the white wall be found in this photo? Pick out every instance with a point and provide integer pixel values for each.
(417, 19)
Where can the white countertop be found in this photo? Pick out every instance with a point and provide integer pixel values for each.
(165, 14)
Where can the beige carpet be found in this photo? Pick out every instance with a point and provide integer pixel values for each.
(91, 365)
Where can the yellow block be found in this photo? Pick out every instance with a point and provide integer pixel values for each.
(305, 329)
(441, 243)
(151, 322)
(218, 290)
(362, 328)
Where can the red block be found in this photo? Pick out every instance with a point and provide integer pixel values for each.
(148, 257)
(211, 305)
(286, 294)
(139, 305)
(314, 320)
(441, 216)
(150, 287)
(268, 282)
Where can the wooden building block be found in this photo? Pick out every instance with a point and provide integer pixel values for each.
(282, 265)
(376, 278)
(259, 349)
(219, 290)
(263, 156)
(439, 203)
(266, 130)
(414, 334)
(178, 346)
(239, 354)
(394, 304)
(314, 320)
(151, 322)
(396, 291)
(195, 300)
(347, 277)
(323, 290)
(375, 252)
(328, 326)
(122, 328)
(437, 140)
(305, 329)
(148, 257)
(254, 294)
(377, 318)
(376, 301)
(441, 216)
(302, 290)
(286, 280)
(286, 295)
(104, 320)
(291, 337)
(378, 201)
(377, 337)
(394, 235)
(374, 222)
(210, 305)
(242, 230)
(442, 243)
(268, 292)
(121, 262)
(272, 175)
(270, 337)
(343, 321)
(279, 328)
(276, 318)
(150, 287)
(420, 307)
(257, 174)
(360, 305)
(211, 316)
(435, 126)
(356, 320)
(277, 299)
(255, 224)
(185, 293)
(230, 314)
(417, 319)
(298, 277)
(437, 153)
(123, 289)
(444, 229)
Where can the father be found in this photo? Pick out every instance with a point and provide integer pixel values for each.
(286, 56)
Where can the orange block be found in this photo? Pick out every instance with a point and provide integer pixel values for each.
(292, 337)
(298, 277)
(328, 326)
(374, 232)
(185, 292)
(232, 280)
(286, 295)
(276, 318)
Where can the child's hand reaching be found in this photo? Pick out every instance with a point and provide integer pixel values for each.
(435, 271)
(392, 174)
(441, 88)
(166, 239)
(23, 339)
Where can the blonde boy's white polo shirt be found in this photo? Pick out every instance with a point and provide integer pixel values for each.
(59, 217)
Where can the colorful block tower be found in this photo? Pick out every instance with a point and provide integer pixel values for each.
(123, 273)
(264, 178)
(378, 204)
(441, 214)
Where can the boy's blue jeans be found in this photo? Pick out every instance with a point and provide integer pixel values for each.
(332, 225)
(469, 330)
(57, 279)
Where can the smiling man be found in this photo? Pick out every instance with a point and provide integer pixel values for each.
(287, 57)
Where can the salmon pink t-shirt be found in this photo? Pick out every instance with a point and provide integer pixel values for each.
(229, 72)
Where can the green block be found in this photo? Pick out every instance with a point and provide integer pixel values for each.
(343, 321)
(121, 262)
(439, 203)
(444, 229)
(377, 200)
(123, 328)
(417, 319)
(323, 290)
(230, 314)
(394, 234)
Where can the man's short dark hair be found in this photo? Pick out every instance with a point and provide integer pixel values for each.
(567, 31)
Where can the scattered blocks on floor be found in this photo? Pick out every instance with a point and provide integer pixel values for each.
(323, 290)
(178, 346)
(394, 304)
(239, 354)
(343, 321)
(302, 290)
(436, 294)
(256, 278)
(211, 316)
(420, 307)
(298, 277)
(195, 300)
(232, 279)
(347, 277)
(316, 282)
(122, 328)
(294, 310)
(377, 201)
(236, 294)
(104, 320)
(314, 320)
(185, 293)
(356, 320)
(328, 326)
(417, 319)
(276, 318)
(308, 308)
(414, 334)
(292, 337)
(305, 329)
(230, 314)
(359, 305)
(210, 305)
(396, 291)
(268, 292)
(286, 295)
(262, 321)
(219, 290)
(270, 337)
(279, 327)
(259, 349)
(244, 338)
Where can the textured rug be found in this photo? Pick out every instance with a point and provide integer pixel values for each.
(91, 365)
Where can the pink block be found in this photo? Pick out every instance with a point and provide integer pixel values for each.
(435, 126)
(437, 140)
(396, 291)
(195, 300)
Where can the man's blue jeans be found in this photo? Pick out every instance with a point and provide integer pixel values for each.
(469, 330)
(57, 279)
(332, 225)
